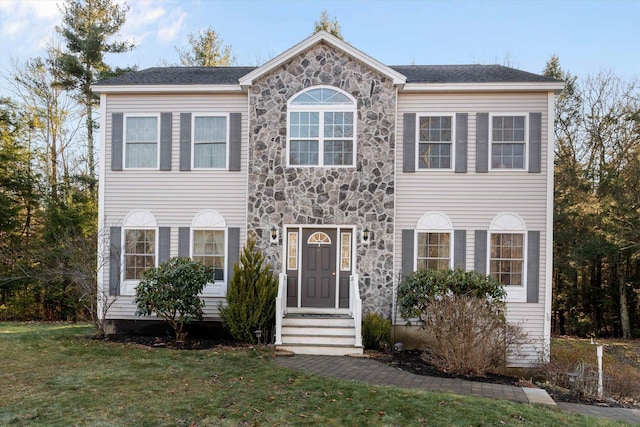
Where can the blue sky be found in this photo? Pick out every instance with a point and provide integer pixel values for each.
(588, 36)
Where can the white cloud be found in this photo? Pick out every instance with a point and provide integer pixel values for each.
(24, 20)
(171, 26)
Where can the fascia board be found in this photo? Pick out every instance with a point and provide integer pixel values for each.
(398, 78)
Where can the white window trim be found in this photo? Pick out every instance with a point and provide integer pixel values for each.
(136, 220)
(526, 141)
(321, 109)
(433, 222)
(124, 139)
(510, 223)
(193, 139)
(211, 220)
(453, 142)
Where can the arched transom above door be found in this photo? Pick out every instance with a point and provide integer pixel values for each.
(319, 238)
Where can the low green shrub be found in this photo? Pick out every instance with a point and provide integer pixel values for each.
(251, 296)
(376, 331)
(171, 291)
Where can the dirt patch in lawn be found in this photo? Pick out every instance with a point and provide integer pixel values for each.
(196, 343)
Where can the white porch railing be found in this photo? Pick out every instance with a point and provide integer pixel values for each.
(281, 304)
(355, 306)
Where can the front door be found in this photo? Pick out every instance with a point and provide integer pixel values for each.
(318, 273)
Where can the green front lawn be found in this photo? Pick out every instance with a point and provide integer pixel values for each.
(54, 375)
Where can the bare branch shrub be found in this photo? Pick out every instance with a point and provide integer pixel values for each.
(466, 335)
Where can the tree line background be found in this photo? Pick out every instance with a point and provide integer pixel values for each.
(48, 188)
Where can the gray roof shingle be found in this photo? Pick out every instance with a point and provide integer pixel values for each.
(180, 76)
(473, 73)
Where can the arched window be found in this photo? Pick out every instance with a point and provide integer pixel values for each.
(208, 245)
(322, 128)
(140, 247)
(507, 249)
(434, 242)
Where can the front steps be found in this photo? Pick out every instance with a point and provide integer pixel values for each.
(320, 335)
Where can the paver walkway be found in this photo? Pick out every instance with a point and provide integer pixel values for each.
(373, 372)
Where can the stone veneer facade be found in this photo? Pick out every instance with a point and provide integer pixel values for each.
(362, 196)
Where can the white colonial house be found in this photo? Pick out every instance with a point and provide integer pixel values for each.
(350, 173)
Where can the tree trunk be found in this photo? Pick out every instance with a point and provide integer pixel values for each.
(624, 305)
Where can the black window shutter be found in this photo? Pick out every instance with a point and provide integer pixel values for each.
(461, 142)
(165, 141)
(409, 142)
(533, 266)
(185, 141)
(164, 247)
(407, 251)
(535, 142)
(460, 249)
(115, 250)
(233, 251)
(482, 142)
(480, 258)
(116, 141)
(235, 141)
(184, 237)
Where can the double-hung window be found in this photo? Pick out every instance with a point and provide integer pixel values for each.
(506, 263)
(508, 141)
(141, 142)
(434, 242)
(322, 128)
(139, 252)
(434, 251)
(210, 141)
(208, 249)
(435, 141)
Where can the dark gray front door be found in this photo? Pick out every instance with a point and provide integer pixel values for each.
(319, 268)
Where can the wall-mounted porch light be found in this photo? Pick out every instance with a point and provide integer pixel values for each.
(274, 234)
(366, 236)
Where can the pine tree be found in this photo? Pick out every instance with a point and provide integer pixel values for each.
(87, 26)
(207, 50)
(251, 296)
(326, 24)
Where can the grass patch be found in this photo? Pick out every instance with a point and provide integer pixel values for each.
(54, 375)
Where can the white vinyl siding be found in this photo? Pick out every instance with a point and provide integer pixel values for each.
(471, 200)
(174, 197)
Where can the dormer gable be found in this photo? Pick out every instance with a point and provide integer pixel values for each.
(331, 40)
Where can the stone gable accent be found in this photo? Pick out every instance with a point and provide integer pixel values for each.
(362, 196)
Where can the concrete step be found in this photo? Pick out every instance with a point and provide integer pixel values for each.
(319, 330)
(335, 340)
(326, 350)
(318, 321)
